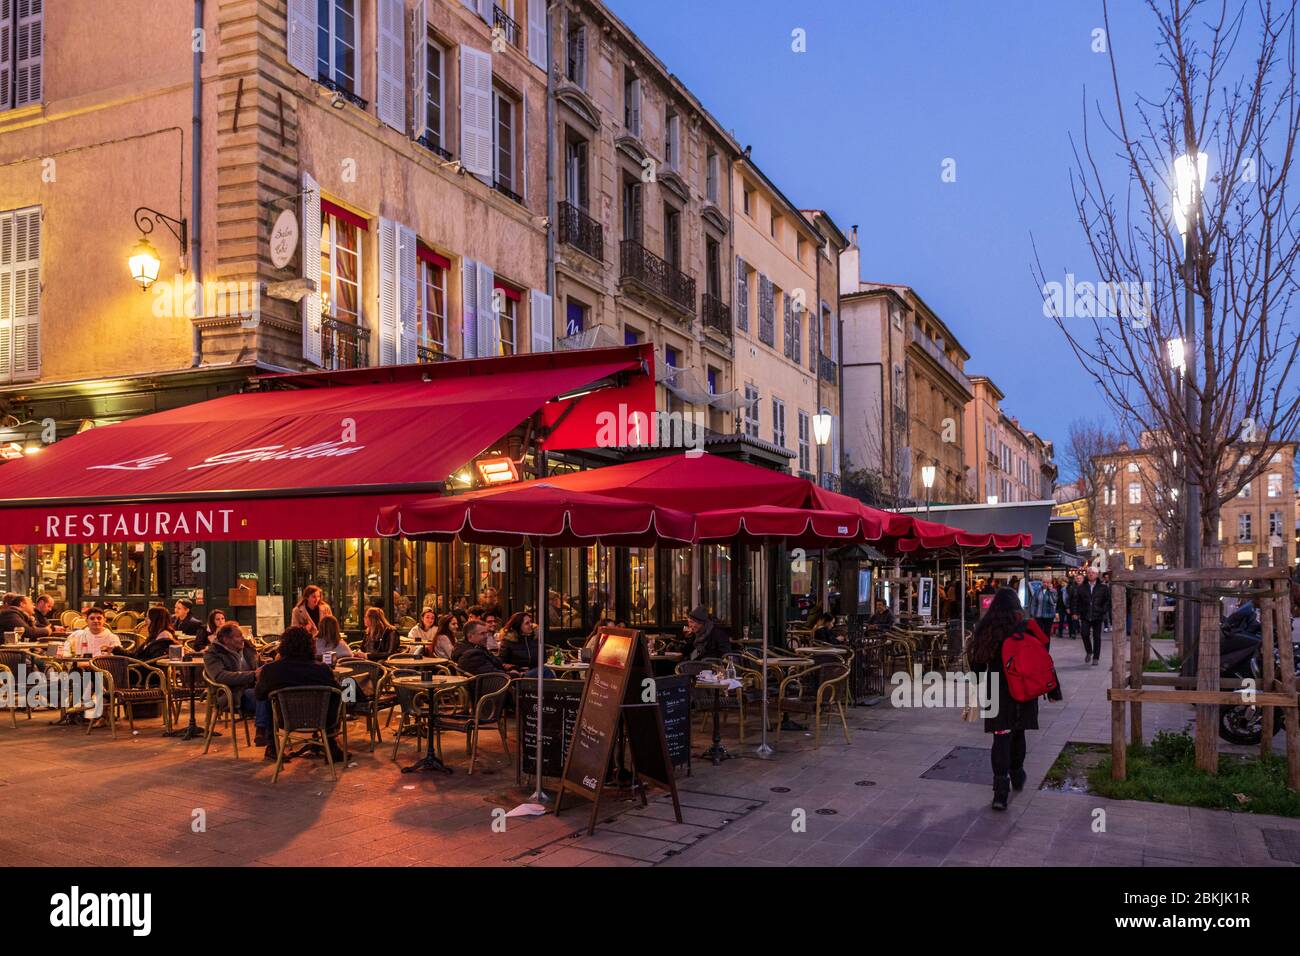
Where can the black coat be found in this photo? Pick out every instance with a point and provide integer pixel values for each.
(1012, 714)
(12, 617)
(296, 673)
(519, 652)
(1092, 601)
(382, 648)
(475, 659)
(714, 641)
(191, 626)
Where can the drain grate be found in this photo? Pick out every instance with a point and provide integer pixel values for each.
(1283, 845)
(962, 765)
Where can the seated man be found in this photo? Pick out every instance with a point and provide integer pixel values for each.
(94, 639)
(705, 637)
(44, 610)
(231, 660)
(883, 619)
(471, 654)
(17, 611)
(297, 667)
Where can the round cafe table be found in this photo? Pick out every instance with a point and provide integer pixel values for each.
(190, 674)
(717, 753)
(435, 684)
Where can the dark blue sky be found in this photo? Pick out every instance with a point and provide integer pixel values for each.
(860, 124)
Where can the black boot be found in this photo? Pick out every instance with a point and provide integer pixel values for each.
(1017, 780)
(1001, 790)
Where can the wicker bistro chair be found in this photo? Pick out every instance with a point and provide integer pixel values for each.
(381, 696)
(412, 703)
(305, 710)
(11, 662)
(485, 707)
(222, 707)
(814, 690)
(121, 691)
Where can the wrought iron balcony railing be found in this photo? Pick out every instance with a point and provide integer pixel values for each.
(427, 142)
(430, 353)
(343, 345)
(343, 91)
(643, 267)
(506, 191)
(509, 28)
(581, 231)
(826, 368)
(715, 314)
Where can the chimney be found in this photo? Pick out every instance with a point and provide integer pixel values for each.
(851, 265)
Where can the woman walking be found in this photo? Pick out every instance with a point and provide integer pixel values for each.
(1005, 620)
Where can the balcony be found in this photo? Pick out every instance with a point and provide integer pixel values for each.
(506, 191)
(509, 28)
(640, 267)
(715, 314)
(826, 368)
(342, 344)
(932, 349)
(341, 90)
(581, 231)
(428, 354)
(426, 140)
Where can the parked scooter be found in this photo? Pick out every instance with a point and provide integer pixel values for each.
(1241, 645)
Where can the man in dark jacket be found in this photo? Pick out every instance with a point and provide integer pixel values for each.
(184, 620)
(297, 667)
(1092, 608)
(471, 654)
(17, 612)
(705, 638)
(231, 660)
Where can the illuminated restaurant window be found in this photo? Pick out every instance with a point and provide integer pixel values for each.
(52, 573)
(600, 584)
(492, 573)
(340, 266)
(641, 591)
(404, 586)
(680, 598)
(564, 587)
(434, 561)
(462, 581)
(715, 580)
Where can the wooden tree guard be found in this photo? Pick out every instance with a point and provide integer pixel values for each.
(1212, 691)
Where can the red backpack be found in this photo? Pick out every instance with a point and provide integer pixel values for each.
(1027, 665)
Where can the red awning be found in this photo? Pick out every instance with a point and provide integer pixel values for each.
(933, 536)
(315, 460)
(797, 526)
(513, 514)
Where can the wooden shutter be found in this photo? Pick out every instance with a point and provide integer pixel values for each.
(543, 321)
(469, 307)
(419, 67)
(537, 49)
(28, 63)
(742, 296)
(766, 311)
(635, 126)
(814, 339)
(20, 295)
(6, 53)
(489, 322)
(485, 10)
(300, 44)
(476, 111)
(796, 339)
(523, 151)
(389, 294)
(390, 57)
(787, 332)
(310, 254)
(408, 296)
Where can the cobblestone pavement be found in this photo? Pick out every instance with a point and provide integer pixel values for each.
(146, 799)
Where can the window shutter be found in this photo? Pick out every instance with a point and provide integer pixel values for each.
(787, 333)
(20, 295)
(523, 152)
(310, 255)
(388, 292)
(635, 128)
(419, 67)
(408, 296)
(301, 41)
(484, 10)
(543, 322)
(742, 296)
(766, 311)
(390, 57)
(537, 51)
(835, 444)
(476, 111)
(489, 325)
(6, 57)
(814, 340)
(796, 339)
(469, 307)
(30, 50)
(581, 60)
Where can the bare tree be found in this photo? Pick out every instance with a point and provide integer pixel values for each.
(1239, 255)
(1086, 443)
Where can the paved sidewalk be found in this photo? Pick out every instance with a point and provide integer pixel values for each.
(153, 800)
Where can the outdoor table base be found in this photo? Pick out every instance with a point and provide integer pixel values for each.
(192, 730)
(717, 753)
(430, 762)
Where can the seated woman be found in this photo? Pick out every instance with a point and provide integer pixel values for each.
(295, 668)
(329, 639)
(425, 629)
(519, 643)
(381, 641)
(159, 638)
(216, 617)
(823, 628)
(445, 636)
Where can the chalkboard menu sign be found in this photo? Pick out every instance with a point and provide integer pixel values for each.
(612, 693)
(673, 694)
(560, 702)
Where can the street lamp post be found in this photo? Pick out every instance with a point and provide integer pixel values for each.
(822, 424)
(1189, 175)
(927, 479)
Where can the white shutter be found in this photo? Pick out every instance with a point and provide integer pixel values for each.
(388, 292)
(484, 10)
(835, 444)
(390, 101)
(635, 127)
(20, 295)
(537, 51)
(301, 41)
(419, 67)
(311, 302)
(476, 111)
(408, 289)
(6, 58)
(523, 165)
(489, 325)
(469, 304)
(542, 320)
(30, 52)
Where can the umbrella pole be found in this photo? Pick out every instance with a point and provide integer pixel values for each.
(765, 749)
(539, 795)
(961, 561)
